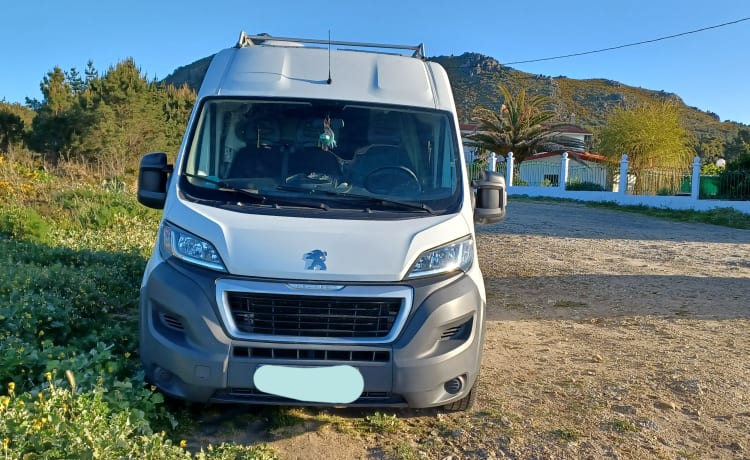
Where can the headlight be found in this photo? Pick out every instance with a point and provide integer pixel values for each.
(190, 248)
(458, 255)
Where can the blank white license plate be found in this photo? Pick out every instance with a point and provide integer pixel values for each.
(329, 384)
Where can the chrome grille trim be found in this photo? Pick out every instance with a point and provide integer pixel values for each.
(225, 288)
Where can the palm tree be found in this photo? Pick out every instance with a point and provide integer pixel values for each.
(519, 126)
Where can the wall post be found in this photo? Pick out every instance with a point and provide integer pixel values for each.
(623, 190)
(696, 180)
(564, 163)
(509, 170)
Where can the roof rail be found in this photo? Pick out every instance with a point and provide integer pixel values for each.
(250, 40)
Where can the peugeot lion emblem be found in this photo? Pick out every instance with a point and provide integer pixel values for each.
(316, 260)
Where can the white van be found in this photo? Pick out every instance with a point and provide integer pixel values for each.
(317, 242)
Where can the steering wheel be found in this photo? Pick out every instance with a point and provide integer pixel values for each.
(311, 180)
(398, 180)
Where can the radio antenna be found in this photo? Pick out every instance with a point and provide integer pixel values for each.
(330, 80)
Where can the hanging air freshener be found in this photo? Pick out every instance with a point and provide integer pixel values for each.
(327, 140)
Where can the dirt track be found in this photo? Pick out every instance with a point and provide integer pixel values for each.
(611, 335)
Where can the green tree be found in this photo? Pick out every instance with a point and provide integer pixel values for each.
(710, 148)
(11, 131)
(651, 134)
(129, 118)
(739, 146)
(108, 121)
(54, 126)
(14, 120)
(519, 126)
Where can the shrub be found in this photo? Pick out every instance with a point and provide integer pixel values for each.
(23, 224)
(584, 186)
(734, 185)
(711, 169)
(664, 191)
(90, 208)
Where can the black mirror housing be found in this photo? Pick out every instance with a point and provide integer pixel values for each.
(153, 174)
(491, 198)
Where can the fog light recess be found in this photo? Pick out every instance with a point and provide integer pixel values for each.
(454, 385)
(162, 376)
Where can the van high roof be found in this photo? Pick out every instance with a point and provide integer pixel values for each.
(265, 66)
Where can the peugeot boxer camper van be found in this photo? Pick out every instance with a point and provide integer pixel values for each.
(317, 242)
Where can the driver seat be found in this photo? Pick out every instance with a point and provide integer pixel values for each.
(384, 149)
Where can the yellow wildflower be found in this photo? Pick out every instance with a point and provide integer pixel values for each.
(183, 444)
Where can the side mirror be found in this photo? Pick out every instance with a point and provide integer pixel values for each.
(153, 174)
(491, 198)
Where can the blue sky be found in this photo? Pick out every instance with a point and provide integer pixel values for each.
(709, 70)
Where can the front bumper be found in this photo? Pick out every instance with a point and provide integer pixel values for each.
(189, 353)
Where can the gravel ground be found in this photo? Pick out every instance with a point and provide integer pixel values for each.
(616, 335)
(610, 335)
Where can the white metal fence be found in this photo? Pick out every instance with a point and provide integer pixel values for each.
(671, 189)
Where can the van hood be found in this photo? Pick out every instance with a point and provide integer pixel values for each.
(314, 249)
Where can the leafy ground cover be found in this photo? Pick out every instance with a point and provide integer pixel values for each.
(70, 379)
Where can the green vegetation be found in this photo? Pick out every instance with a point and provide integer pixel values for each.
(726, 217)
(622, 426)
(520, 126)
(382, 423)
(564, 434)
(584, 186)
(99, 124)
(652, 136)
(71, 384)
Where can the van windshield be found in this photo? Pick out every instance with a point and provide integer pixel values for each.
(342, 155)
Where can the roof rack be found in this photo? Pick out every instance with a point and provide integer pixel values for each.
(251, 40)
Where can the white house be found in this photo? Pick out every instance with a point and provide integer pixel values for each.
(572, 131)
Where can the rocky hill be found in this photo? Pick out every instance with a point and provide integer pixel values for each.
(475, 77)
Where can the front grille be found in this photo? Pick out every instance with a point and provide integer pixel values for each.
(297, 354)
(252, 395)
(313, 316)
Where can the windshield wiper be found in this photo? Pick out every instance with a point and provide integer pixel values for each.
(389, 202)
(225, 187)
(366, 198)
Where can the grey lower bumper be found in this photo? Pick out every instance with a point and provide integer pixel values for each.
(188, 353)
